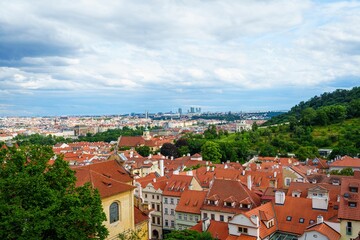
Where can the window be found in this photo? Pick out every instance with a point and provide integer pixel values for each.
(205, 215)
(145, 195)
(336, 207)
(191, 217)
(153, 205)
(166, 223)
(177, 201)
(157, 197)
(171, 201)
(311, 221)
(212, 216)
(349, 228)
(271, 223)
(153, 220)
(229, 218)
(172, 212)
(185, 217)
(288, 218)
(153, 197)
(352, 204)
(114, 212)
(227, 204)
(166, 211)
(301, 220)
(242, 229)
(158, 220)
(353, 189)
(221, 218)
(180, 216)
(166, 200)
(158, 207)
(172, 223)
(196, 218)
(287, 181)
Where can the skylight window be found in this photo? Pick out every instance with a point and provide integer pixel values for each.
(301, 220)
(288, 218)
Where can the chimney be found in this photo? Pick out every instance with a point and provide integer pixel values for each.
(205, 224)
(161, 167)
(131, 154)
(308, 172)
(150, 156)
(172, 158)
(212, 168)
(188, 155)
(279, 197)
(275, 174)
(154, 179)
(189, 173)
(207, 163)
(249, 182)
(319, 219)
(207, 168)
(225, 166)
(243, 172)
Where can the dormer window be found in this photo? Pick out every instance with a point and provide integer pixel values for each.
(227, 204)
(352, 204)
(353, 189)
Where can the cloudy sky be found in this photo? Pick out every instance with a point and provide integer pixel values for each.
(109, 57)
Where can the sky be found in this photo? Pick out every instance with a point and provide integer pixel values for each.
(90, 57)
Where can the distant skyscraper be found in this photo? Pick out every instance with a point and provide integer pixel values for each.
(192, 110)
(180, 111)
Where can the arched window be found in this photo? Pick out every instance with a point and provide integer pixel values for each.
(114, 212)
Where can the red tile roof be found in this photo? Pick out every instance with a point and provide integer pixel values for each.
(218, 230)
(346, 161)
(265, 213)
(139, 216)
(177, 184)
(346, 211)
(297, 208)
(191, 201)
(326, 230)
(107, 186)
(224, 189)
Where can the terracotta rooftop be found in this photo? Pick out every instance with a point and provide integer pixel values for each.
(350, 200)
(224, 189)
(177, 184)
(326, 230)
(346, 161)
(139, 216)
(191, 201)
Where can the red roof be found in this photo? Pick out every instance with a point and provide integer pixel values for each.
(191, 201)
(177, 184)
(139, 216)
(218, 230)
(297, 208)
(326, 230)
(346, 161)
(107, 186)
(347, 197)
(224, 189)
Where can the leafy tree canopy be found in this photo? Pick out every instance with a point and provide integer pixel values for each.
(41, 201)
(188, 235)
(211, 151)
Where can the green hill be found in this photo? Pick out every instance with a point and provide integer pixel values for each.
(324, 109)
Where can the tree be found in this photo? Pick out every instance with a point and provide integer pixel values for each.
(143, 150)
(254, 127)
(306, 152)
(41, 201)
(188, 235)
(169, 149)
(132, 234)
(211, 151)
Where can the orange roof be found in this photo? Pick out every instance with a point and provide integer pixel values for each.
(191, 201)
(241, 237)
(139, 216)
(265, 213)
(334, 190)
(345, 210)
(326, 230)
(224, 189)
(131, 141)
(111, 168)
(107, 186)
(297, 208)
(346, 161)
(177, 184)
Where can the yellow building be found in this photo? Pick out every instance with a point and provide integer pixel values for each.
(141, 224)
(116, 191)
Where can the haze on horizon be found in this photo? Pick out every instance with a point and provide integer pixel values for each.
(88, 57)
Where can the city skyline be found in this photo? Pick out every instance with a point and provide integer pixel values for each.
(87, 58)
